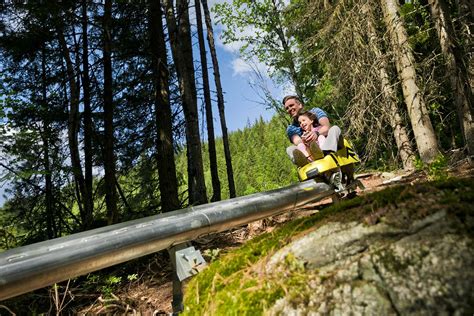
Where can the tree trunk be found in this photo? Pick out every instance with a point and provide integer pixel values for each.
(163, 117)
(216, 185)
(220, 100)
(425, 136)
(88, 199)
(73, 127)
(405, 148)
(456, 70)
(181, 45)
(109, 158)
(50, 212)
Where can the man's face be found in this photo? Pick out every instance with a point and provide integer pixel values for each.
(292, 107)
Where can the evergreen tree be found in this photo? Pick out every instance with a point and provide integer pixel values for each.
(457, 71)
(220, 99)
(163, 116)
(216, 186)
(181, 47)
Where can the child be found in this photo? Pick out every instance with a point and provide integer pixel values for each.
(308, 151)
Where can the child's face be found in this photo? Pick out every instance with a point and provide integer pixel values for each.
(305, 123)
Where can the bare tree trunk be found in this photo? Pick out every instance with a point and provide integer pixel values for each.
(163, 117)
(220, 100)
(405, 148)
(88, 199)
(425, 136)
(73, 126)
(46, 134)
(109, 158)
(216, 185)
(180, 37)
(456, 69)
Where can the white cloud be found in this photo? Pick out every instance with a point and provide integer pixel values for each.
(233, 47)
(241, 67)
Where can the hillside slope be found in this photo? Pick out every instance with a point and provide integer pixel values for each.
(407, 249)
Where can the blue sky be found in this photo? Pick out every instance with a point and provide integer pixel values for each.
(241, 101)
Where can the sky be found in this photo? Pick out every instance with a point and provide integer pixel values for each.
(241, 101)
(242, 104)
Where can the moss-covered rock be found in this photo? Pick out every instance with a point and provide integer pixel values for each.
(405, 250)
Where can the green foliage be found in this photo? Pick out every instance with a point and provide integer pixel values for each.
(10, 233)
(211, 254)
(105, 284)
(437, 170)
(111, 284)
(263, 42)
(261, 30)
(259, 160)
(132, 277)
(323, 93)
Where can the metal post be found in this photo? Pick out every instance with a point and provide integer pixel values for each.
(177, 302)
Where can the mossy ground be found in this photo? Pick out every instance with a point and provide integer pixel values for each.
(236, 285)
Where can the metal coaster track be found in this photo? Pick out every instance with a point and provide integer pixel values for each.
(38, 265)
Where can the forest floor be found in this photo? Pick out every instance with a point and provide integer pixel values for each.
(144, 287)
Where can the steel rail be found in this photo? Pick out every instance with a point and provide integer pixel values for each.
(38, 265)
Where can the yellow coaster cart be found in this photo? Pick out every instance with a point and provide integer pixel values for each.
(336, 169)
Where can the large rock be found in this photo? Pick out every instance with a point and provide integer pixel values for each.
(425, 267)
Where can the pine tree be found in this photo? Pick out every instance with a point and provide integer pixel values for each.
(181, 47)
(216, 186)
(425, 137)
(163, 116)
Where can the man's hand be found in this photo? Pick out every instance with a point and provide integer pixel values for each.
(308, 137)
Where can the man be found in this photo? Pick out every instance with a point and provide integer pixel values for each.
(293, 106)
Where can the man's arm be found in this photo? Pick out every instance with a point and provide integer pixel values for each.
(294, 134)
(325, 125)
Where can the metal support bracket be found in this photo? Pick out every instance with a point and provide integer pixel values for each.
(186, 262)
(189, 262)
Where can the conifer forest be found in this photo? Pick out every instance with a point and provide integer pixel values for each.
(106, 107)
